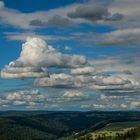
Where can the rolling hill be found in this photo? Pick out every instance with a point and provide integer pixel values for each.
(43, 125)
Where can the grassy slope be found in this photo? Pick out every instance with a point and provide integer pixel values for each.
(120, 125)
(110, 130)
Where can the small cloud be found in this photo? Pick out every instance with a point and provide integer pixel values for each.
(84, 71)
(128, 72)
(135, 104)
(111, 97)
(73, 94)
(67, 48)
(123, 106)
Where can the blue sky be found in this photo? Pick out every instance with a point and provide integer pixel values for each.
(69, 55)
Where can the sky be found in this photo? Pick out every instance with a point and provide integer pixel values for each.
(69, 55)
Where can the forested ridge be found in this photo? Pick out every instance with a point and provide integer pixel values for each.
(43, 125)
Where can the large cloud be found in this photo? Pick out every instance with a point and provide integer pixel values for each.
(11, 71)
(35, 52)
(114, 84)
(130, 9)
(126, 12)
(36, 56)
(63, 80)
(61, 16)
(99, 82)
(94, 12)
(125, 65)
(53, 17)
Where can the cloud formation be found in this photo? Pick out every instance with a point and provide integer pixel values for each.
(84, 70)
(123, 65)
(74, 95)
(54, 21)
(36, 56)
(53, 17)
(126, 37)
(61, 80)
(35, 52)
(96, 82)
(111, 78)
(33, 99)
(59, 17)
(114, 84)
(94, 13)
(26, 98)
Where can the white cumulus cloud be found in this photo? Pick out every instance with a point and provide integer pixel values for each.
(36, 56)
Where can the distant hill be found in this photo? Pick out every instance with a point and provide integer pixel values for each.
(129, 130)
(49, 125)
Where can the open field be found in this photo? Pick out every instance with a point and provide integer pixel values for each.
(112, 131)
(118, 126)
